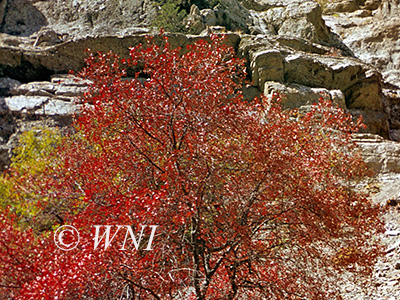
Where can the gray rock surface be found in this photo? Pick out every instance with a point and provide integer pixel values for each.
(76, 18)
(51, 103)
(382, 156)
(373, 38)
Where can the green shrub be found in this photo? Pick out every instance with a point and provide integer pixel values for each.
(33, 157)
(171, 17)
(173, 12)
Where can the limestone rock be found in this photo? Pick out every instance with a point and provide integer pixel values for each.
(50, 89)
(23, 104)
(393, 109)
(372, 39)
(342, 6)
(28, 63)
(260, 24)
(301, 19)
(22, 18)
(381, 155)
(266, 65)
(50, 103)
(376, 121)
(360, 84)
(47, 37)
(77, 18)
(233, 16)
(296, 95)
(57, 108)
(389, 8)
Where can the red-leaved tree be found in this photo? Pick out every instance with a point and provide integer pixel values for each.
(251, 202)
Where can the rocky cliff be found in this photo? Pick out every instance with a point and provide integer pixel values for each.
(347, 51)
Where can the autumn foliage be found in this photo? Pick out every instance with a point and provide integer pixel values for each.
(251, 202)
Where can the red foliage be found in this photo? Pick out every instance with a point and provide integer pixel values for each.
(251, 203)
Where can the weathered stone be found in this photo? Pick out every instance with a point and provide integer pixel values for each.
(389, 8)
(376, 121)
(392, 100)
(342, 6)
(22, 104)
(77, 18)
(47, 37)
(260, 24)
(373, 40)
(22, 18)
(69, 80)
(35, 88)
(381, 155)
(296, 95)
(6, 85)
(360, 83)
(57, 108)
(271, 60)
(233, 16)
(301, 19)
(266, 65)
(30, 63)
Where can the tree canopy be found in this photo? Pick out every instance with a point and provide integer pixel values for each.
(249, 201)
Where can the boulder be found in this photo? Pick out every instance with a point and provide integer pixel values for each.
(21, 17)
(342, 6)
(266, 65)
(376, 121)
(51, 103)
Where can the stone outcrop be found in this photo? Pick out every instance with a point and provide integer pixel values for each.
(22, 106)
(297, 96)
(273, 61)
(75, 18)
(374, 40)
(381, 155)
(21, 59)
(371, 29)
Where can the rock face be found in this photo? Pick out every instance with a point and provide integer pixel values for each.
(274, 61)
(371, 30)
(75, 18)
(382, 156)
(23, 106)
